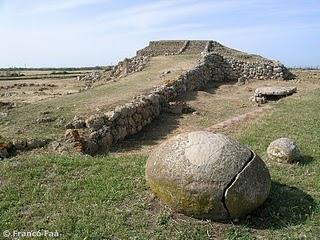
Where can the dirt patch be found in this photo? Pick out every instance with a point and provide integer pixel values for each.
(234, 121)
(218, 108)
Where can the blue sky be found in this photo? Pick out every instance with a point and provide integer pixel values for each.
(43, 33)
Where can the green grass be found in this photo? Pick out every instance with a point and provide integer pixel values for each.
(106, 197)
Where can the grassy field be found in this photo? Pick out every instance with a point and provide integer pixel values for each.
(106, 197)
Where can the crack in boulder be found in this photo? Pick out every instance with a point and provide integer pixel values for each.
(233, 180)
(220, 179)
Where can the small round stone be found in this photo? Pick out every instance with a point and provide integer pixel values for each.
(208, 175)
(284, 150)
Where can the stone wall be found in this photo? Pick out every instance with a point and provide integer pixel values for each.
(243, 66)
(162, 48)
(98, 132)
(218, 64)
(9, 149)
(195, 47)
(129, 65)
(242, 70)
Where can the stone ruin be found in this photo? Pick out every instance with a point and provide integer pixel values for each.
(129, 65)
(219, 64)
(98, 132)
(90, 78)
(242, 66)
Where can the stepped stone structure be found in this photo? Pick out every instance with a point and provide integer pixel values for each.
(243, 66)
(218, 64)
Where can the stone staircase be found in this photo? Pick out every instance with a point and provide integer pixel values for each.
(195, 47)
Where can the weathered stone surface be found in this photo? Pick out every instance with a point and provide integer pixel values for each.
(263, 94)
(91, 147)
(112, 115)
(4, 150)
(284, 150)
(249, 189)
(4, 153)
(76, 123)
(275, 91)
(72, 135)
(192, 172)
(3, 114)
(127, 66)
(66, 147)
(20, 144)
(260, 100)
(36, 143)
(90, 78)
(95, 122)
(176, 107)
(107, 139)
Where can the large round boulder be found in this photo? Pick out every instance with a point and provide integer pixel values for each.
(284, 150)
(208, 175)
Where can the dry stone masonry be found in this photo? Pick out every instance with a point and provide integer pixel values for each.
(218, 64)
(243, 66)
(162, 48)
(96, 133)
(130, 65)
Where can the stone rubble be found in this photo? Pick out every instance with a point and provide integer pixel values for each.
(9, 149)
(90, 78)
(129, 65)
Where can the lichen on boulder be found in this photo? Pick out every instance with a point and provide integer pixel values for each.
(284, 150)
(208, 175)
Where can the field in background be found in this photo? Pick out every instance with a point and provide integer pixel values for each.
(10, 74)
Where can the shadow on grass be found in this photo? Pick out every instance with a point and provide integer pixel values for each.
(151, 134)
(285, 206)
(162, 126)
(305, 160)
